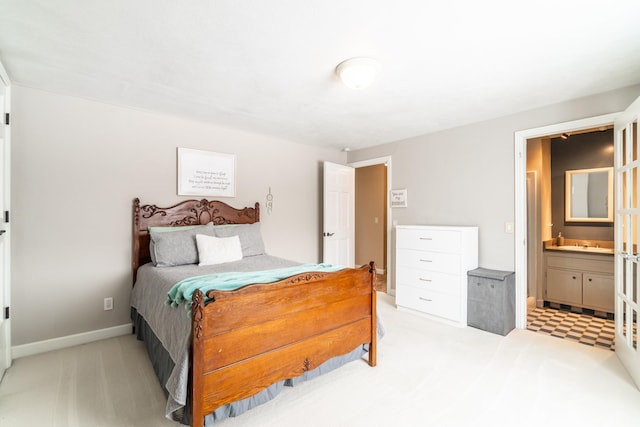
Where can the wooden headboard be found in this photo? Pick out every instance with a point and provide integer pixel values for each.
(189, 212)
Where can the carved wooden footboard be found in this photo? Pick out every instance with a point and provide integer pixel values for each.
(245, 340)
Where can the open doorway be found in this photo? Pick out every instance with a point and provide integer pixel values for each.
(570, 259)
(373, 217)
(520, 152)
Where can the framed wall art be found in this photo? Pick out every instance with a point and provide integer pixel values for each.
(205, 173)
(398, 198)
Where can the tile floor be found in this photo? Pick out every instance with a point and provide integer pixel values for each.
(580, 327)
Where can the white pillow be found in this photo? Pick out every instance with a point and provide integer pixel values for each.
(217, 250)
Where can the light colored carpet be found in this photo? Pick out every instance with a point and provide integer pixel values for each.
(428, 374)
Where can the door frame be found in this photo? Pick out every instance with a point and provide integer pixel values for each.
(520, 156)
(533, 229)
(389, 225)
(5, 286)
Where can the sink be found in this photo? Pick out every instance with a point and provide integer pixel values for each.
(584, 249)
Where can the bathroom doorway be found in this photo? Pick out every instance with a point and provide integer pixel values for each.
(570, 284)
(520, 163)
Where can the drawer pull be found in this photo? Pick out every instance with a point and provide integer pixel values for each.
(425, 260)
(429, 280)
(425, 299)
(426, 238)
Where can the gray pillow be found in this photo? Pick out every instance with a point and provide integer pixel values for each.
(169, 249)
(249, 234)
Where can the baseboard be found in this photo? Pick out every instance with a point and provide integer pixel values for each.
(38, 347)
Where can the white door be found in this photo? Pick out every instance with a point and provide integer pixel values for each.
(627, 229)
(5, 156)
(338, 236)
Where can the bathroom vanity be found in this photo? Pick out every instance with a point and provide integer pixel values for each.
(580, 277)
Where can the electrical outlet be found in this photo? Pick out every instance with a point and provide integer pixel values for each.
(108, 303)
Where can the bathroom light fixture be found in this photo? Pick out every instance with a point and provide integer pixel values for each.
(358, 73)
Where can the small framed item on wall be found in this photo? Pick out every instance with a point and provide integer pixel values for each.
(398, 198)
(204, 173)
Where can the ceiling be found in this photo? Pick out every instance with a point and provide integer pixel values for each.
(267, 66)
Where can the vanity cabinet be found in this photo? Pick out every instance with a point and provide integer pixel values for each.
(431, 270)
(564, 286)
(581, 280)
(598, 292)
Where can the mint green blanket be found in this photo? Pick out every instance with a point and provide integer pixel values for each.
(184, 289)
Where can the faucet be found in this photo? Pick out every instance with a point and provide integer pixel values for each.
(585, 244)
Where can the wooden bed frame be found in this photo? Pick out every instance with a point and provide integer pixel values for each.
(245, 340)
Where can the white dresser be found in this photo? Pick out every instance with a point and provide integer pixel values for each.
(431, 270)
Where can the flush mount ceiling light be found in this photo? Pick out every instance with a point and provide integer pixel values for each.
(358, 73)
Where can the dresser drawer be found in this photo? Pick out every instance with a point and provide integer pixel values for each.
(430, 302)
(432, 261)
(429, 240)
(429, 280)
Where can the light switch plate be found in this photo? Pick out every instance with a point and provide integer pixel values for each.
(508, 227)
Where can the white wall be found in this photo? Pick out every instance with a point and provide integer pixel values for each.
(78, 164)
(465, 176)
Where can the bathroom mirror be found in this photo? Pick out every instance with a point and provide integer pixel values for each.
(589, 195)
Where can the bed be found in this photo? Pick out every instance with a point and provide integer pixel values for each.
(226, 351)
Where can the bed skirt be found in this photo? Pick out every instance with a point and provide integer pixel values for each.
(163, 366)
